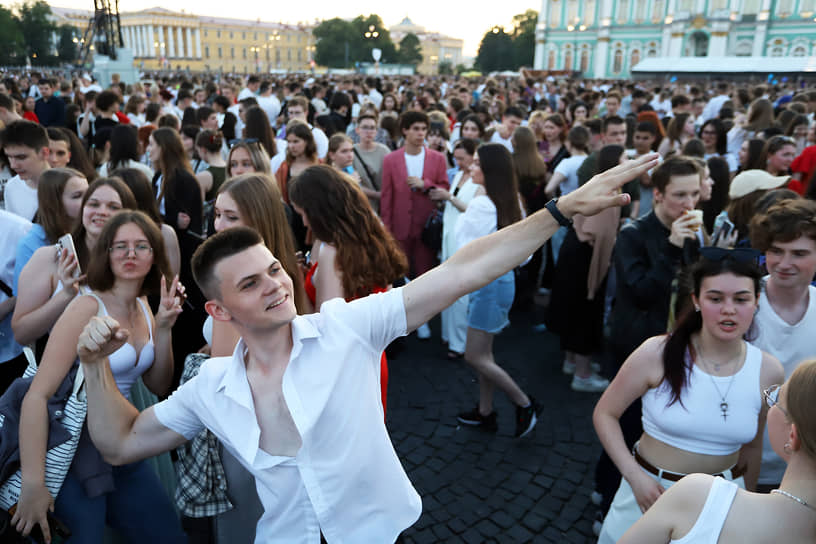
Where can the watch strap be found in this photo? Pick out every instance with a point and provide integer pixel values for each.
(556, 213)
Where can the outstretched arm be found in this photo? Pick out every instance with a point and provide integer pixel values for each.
(487, 258)
(120, 433)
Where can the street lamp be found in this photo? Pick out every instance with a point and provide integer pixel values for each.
(371, 32)
(576, 29)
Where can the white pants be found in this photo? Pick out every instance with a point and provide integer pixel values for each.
(625, 511)
(454, 324)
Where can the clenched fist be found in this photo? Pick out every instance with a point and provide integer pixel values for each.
(100, 337)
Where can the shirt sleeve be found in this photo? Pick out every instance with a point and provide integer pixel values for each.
(179, 411)
(377, 319)
(478, 220)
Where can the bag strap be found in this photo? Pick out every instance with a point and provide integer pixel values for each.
(371, 177)
(79, 379)
(6, 289)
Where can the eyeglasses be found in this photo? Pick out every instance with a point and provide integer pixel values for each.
(122, 249)
(772, 397)
(368, 127)
(739, 254)
(236, 141)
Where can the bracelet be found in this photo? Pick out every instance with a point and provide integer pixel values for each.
(556, 213)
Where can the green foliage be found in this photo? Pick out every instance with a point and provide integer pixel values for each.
(446, 68)
(37, 29)
(67, 50)
(460, 69)
(502, 51)
(410, 51)
(341, 44)
(12, 44)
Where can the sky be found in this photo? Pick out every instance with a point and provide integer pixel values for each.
(467, 20)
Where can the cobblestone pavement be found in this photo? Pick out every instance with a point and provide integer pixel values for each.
(480, 487)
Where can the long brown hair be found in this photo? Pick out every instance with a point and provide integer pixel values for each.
(302, 131)
(173, 158)
(339, 214)
(259, 202)
(51, 214)
(500, 183)
(528, 162)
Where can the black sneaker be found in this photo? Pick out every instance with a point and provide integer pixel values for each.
(475, 419)
(526, 418)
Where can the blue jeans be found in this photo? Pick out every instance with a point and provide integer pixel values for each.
(139, 509)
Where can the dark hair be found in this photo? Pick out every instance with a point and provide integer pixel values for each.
(106, 99)
(795, 122)
(216, 248)
(772, 146)
(722, 134)
(720, 175)
(646, 126)
(609, 157)
(25, 133)
(139, 185)
(476, 120)
(500, 183)
(694, 148)
(172, 159)
(339, 214)
(124, 146)
(301, 130)
(755, 147)
(785, 221)
(100, 275)
(467, 144)
(678, 342)
(407, 119)
(513, 111)
(51, 214)
(203, 113)
(257, 126)
(210, 140)
(79, 157)
(673, 166)
(168, 120)
(152, 112)
(79, 232)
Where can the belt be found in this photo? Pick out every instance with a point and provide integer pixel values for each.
(736, 472)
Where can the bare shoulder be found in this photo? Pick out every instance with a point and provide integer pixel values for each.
(647, 359)
(771, 372)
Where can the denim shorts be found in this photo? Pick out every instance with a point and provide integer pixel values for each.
(488, 308)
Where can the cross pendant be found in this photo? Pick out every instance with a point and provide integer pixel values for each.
(724, 408)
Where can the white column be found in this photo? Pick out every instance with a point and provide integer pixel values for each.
(134, 41)
(145, 43)
(180, 49)
(188, 41)
(198, 43)
(601, 57)
(761, 28)
(171, 44)
(151, 38)
(676, 43)
(138, 42)
(540, 60)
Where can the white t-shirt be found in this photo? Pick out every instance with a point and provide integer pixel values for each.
(791, 344)
(346, 480)
(497, 139)
(20, 198)
(569, 168)
(271, 105)
(415, 164)
(321, 142)
(12, 229)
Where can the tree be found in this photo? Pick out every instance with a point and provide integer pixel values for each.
(12, 44)
(37, 28)
(382, 40)
(495, 51)
(410, 50)
(524, 28)
(446, 68)
(66, 48)
(341, 44)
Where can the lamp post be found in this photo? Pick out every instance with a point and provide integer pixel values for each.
(273, 43)
(372, 34)
(574, 29)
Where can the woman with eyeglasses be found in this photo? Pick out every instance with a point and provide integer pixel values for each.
(777, 155)
(127, 263)
(715, 140)
(701, 392)
(705, 510)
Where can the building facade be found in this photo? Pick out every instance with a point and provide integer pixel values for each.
(165, 39)
(436, 48)
(606, 38)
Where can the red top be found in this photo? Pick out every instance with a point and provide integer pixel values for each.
(30, 116)
(804, 164)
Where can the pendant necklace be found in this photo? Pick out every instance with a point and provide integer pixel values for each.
(723, 397)
(793, 497)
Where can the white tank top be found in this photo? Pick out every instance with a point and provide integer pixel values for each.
(695, 422)
(710, 522)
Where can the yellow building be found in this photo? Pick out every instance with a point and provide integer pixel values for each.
(165, 39)
(436, 47)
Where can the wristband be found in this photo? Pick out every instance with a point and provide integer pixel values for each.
(556, 213)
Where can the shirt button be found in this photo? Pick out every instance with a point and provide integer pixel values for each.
(58, 414)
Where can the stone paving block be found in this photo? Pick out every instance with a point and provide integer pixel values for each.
(487, 528)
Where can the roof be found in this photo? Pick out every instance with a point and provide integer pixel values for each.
(726, 65)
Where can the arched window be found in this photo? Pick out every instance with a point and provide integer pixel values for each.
(589, 12)
(799, 51)
(551, 60)
(777, 51)
(634, 59)
(617, 66)
(555, 13)
(568, 58)
(584, 60)
(651, 53)
(699, 44)
(623, 11)
(743, 49)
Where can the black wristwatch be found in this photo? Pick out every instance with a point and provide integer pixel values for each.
(556, 213)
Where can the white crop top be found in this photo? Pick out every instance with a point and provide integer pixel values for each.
(695, 423)
(127, 365)
(710, 522)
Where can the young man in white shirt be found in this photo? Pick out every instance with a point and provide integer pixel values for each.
(298, 402)
(511, 120)
(26, 146)
(786, 320)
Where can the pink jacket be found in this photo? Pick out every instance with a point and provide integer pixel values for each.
(402, 210)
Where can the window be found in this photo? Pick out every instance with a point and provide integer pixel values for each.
(623, 11)
(217, 33)
(245, 52)
(584, 60)
(256, 35)
(718, 5)
(205, 33)
(220, 52)
(777, 51)
(555, 13)
(568, 58)
(232, 52)
(784, 7)
(684, 5)
(589, 12)
(572, 11)
(243, 35)
(551, 60)
(300, 58)
(744, 49)
(232, 35)
(799, 51)
(617, 66)
(641, 10)
(207, 51)
(699, 44)
(807, 7)
(658, 8)
(289, 55)
(634, 59)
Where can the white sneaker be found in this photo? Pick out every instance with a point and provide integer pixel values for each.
(568, 367)
(423, 331)
(591, 384)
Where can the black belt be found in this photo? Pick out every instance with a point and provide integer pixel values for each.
(736, 472)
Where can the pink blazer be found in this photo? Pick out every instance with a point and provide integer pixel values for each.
(402, 210)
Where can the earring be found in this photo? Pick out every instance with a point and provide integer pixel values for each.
(787, 447)
(696, 308)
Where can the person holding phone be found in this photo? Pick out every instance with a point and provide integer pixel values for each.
(126, 263)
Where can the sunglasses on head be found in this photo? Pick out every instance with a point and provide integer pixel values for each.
(739, 254)
(237, 141)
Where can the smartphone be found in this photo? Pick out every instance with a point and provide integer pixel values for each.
(59, 531)
(723, 230)
(67, 242)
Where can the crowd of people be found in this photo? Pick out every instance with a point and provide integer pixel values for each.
(233, 258)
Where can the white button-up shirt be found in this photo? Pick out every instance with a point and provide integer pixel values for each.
(346, 479)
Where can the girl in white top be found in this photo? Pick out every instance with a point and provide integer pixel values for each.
(454, 317)
(701, 387)
(706, 510)
(566, 173)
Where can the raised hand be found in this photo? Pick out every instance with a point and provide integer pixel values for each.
(172, 299)
(67, 268)
(601, 191)
(100, 337)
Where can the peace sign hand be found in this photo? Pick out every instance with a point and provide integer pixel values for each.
(172, 299)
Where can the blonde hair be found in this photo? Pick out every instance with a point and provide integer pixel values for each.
(801, 390)
(337, 140)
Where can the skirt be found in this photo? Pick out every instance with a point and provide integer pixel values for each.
(489, 307)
